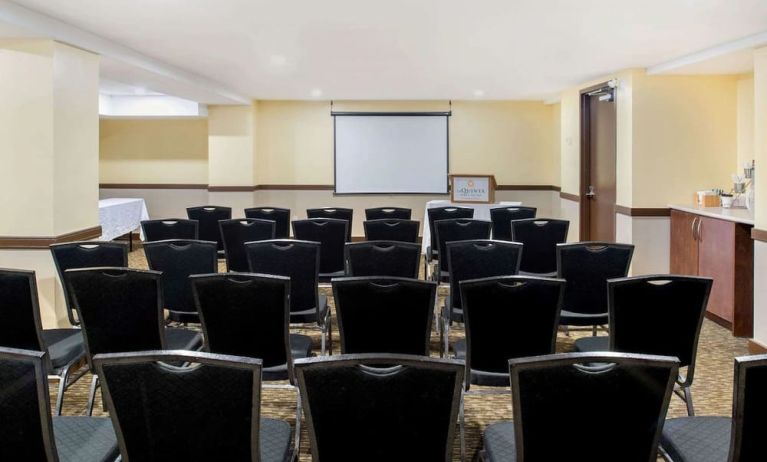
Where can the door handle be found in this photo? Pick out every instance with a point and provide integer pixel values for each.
(700, 228)
(692, 228)
(591, 192)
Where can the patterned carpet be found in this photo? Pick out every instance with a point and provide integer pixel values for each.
(712, 389)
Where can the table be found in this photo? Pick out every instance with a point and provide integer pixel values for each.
(119, 216)
(481, 212)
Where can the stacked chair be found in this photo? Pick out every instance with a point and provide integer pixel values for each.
(280, 217)
(208, 217)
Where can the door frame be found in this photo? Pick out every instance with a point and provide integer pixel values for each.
(585, 202)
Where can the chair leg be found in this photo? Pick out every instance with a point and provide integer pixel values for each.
(688, 401)
(593, 331)
(323, 340)
(92, 394)
(62, 387)
(462, 427)
(298, 422)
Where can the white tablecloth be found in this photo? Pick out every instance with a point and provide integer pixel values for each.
(481, 212)
(119, 217)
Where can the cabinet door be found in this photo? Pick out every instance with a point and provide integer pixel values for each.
(716, 259)
(684, 249)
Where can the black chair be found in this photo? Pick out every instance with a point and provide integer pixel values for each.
(586, 266)
(338, 213)
(121, 311)
(280, 217)
(443, 213)
(620, 400)
(21, 328)
(657, 314)
(474, 260)
(248, 314)
(177, 260)
(724, 439)
(383, 258)
(540, 237)
(27, 430)
(208, 217)
(456, 229)
(387, 213)
(391, 229)
(235, 233)
(380, 407)
(330, 233)
(300, 261)
(169, 228)
(208, 411)
(501, 218)
(365, 304)
(86, 254)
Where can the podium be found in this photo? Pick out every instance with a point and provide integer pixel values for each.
(472, 189)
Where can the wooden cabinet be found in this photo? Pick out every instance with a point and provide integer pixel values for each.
(721, 250)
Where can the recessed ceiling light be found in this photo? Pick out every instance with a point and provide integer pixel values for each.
(278, 60)
(316, 92)
(479, 93)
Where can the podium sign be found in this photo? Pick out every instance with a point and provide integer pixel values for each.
(477, 189)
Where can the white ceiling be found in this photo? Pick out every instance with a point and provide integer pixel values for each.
(402, 49)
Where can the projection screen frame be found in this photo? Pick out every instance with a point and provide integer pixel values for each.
(446, 114)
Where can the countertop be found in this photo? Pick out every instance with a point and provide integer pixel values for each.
(737, 215)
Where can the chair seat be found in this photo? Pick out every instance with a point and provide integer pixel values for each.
(310, 315)
(699, 439)
(571, 318)
(85, 438)
(274, 440)
(182, 339)
(591, 344)
(479, 377)
(64, 346)
(184, 317)
(498, 442)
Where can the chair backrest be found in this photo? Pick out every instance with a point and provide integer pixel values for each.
(331, 234)
(391, 229)
(540, 237)
(509, 317)
(87, 254)
(501, 218)
(444, 213)
(245, 314)
(749, 409)
(280, 217)
(236, 233)
(20, 325)
(207, 411)
(367, 307)
(387, 213)
(170, 228)
(383, 258)
(297, 260)
(620, 400)
(338, 213)
(120, 309)
(208, 217)
(356, 411)
(178, 259)
(480, 258)
(658, 314)
(26, 429)
(586, 266)
(458, 229)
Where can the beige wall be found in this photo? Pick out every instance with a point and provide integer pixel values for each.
(153, 151)
(745, 120)
(231, 140)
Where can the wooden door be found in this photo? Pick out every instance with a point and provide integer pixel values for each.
(716, 260)
(599, 184)
(684, 246)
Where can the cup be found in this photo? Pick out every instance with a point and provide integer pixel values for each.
(726, 201)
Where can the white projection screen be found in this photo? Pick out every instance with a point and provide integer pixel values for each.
(396, 153)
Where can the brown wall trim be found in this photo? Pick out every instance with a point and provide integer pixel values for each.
(643, 211)
(756, 348)
(570, 197)
(759, 234)
(42, 242)
(231, 188)
(527, 187)
(151, 186)
(296, 187)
